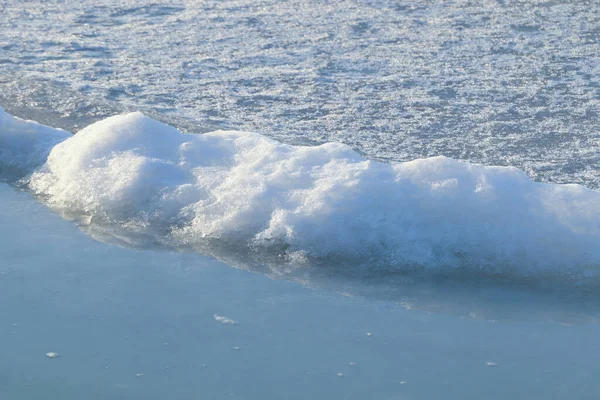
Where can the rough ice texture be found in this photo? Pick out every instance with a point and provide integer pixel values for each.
(318, 203)
(24, 145)
(497, 82)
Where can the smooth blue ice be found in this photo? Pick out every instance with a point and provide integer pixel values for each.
(130, 324)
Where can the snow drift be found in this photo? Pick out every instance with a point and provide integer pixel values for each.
(306, 204)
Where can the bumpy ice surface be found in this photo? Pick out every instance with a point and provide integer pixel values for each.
(495, 82)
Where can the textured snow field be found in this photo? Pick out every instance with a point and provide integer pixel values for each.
(495, 82)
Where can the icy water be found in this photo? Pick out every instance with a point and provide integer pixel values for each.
(361, 268)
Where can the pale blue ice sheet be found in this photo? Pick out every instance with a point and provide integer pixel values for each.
(113, 313)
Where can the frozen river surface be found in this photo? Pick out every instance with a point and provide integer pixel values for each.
(363, 269)
(130, 324)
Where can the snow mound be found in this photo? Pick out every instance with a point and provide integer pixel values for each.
(310, 204)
